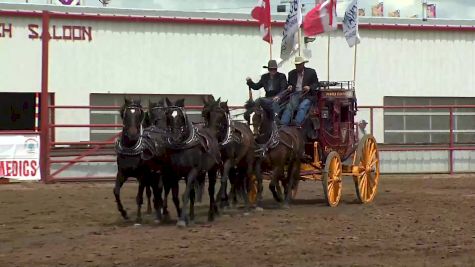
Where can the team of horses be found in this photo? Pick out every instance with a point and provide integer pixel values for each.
(161, 146)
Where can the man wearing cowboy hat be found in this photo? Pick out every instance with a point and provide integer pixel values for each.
(273, 82)
(304, 82)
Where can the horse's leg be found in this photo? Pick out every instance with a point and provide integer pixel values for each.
(119, 181)
(176, 200)
(157, 198)
(213, 208)
(224, 183)
(293, 177)
(166, 186)
(139, 200)
(277, 173)
(148, 192)
(245, 180)
(190, 180)
(259, 183)
(192, 205)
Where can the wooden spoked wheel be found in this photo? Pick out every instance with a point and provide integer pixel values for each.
(252, 190)
(331, 179)
(367, 160)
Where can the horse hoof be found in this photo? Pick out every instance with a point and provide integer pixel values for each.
(285, 206)
(259, 209)
(181, 224)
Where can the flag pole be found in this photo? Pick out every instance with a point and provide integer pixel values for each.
(271, 41)
(300, 34)
(354, 64)
(328, 58)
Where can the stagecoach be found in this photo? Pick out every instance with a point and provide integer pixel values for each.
(335, 148)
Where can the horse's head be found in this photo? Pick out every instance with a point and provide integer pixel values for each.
(177, 120)
(215, 113)
(254, 116)
(132, 115)
(157, 114)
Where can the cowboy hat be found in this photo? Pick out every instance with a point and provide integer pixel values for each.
(272, 64)
(299, 60)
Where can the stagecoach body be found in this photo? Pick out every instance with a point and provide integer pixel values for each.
(335, 149)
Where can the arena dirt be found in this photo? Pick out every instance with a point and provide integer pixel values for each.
(414, 221)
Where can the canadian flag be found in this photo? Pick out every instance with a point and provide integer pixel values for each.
(321, 19)
(261, 13)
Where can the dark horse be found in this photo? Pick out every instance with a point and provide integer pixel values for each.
(129, 160)
(237, 147)
(192, 152)
(278, 147)
(154, 153)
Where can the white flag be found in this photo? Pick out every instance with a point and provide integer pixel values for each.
(350, 24)
(290, 40)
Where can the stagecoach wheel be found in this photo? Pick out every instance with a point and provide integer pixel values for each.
(331, 179)
(252, 191)
(367, 160)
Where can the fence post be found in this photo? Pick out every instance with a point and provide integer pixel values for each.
(44, 112)
(451, 142)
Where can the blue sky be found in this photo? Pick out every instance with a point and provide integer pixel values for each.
(454, 9)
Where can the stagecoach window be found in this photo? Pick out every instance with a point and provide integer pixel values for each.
(428, 125)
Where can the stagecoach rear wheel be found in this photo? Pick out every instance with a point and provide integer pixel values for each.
(331, 179)
(252, 190)
(367, 160)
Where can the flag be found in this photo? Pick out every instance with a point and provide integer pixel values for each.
(321, 19)
(431, 11)
(289, 36)
(261, 13)
(377, 10)
(67, 2)
(350, 24)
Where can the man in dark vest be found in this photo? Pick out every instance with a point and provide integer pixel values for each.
(304, 83)
(273, 82)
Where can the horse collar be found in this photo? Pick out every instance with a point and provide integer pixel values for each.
(271, 143)
(229, 132)
(133, 151)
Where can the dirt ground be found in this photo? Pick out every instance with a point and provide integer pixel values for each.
(414, 221)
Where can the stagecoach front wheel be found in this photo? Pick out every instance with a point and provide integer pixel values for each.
(252, 191)
(367, 160)
(331, 179)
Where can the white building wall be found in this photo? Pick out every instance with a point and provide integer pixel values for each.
(166, 58)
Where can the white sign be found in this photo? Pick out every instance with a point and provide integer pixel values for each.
(20, 157)
(292, 24)
(350, 24)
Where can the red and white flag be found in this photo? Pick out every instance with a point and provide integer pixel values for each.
(261, 13)
(321, 19)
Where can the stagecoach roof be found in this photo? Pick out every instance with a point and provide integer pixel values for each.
(218, 15)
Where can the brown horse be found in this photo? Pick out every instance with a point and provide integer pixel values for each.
(278, 148)
(192, 152)
(155, 156)
(236, 145)
(129, 159)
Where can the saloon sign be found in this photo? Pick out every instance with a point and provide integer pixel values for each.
(57, 32)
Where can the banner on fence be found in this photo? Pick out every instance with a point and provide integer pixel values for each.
(20, 157)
